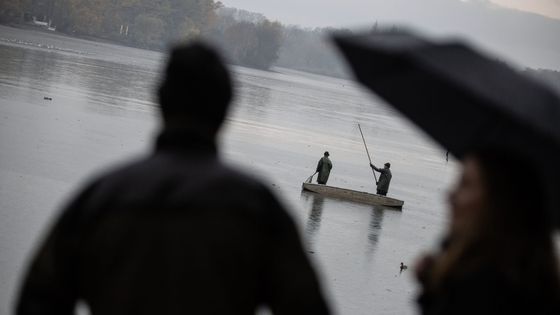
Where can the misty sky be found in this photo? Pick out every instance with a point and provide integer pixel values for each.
(520, 37)
(352, 12)
(549, 8)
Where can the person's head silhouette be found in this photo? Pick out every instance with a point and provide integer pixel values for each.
(196, 89)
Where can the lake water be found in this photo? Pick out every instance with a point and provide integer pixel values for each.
(102, 112)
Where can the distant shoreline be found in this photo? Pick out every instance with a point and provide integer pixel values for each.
(32, 28)
(548, 76)
(24, 26)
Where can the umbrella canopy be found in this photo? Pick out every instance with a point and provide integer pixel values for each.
(461, 98)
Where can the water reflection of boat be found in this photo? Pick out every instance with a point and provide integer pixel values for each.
(314, 221)
(353, 195)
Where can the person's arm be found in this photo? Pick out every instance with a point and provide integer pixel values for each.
(50, 285)
(291, 285)
(319, 165)
(375, 168)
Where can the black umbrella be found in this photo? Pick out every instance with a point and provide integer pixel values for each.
(461, 98)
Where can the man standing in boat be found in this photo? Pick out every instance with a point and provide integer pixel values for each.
(384, 179)
(324, 169)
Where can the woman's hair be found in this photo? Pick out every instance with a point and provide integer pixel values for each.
(513, 234)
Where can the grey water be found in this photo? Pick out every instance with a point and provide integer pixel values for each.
(103, 112)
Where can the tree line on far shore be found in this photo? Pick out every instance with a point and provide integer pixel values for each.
(246, 38)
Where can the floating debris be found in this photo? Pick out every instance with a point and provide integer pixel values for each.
(403, 267)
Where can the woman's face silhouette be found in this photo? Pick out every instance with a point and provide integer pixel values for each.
(469, 198)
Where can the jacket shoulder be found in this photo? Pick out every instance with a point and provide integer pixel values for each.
(173, 181)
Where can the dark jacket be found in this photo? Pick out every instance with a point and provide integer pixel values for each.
(384, 179)
(485, 289)
(324, 169)
(486, 292)
(175, 233)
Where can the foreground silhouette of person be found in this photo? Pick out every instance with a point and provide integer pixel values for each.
(176, 232)
(499, 256)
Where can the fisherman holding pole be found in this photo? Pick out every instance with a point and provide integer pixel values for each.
(385, 178)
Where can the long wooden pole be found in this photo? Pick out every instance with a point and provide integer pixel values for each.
(367, 151)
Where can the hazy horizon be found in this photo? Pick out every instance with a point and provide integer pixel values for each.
(350, 12)
(523, 38)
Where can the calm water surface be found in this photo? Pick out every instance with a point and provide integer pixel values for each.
(102, 112)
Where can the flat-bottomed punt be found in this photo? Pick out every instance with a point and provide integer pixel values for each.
(353, 195)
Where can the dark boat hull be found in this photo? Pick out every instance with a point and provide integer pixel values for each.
(353, 195)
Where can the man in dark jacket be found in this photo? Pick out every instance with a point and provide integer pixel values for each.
(177, 232)
(324, 167)
(384, 178)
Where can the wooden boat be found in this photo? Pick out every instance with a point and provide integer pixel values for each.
(353, 195)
